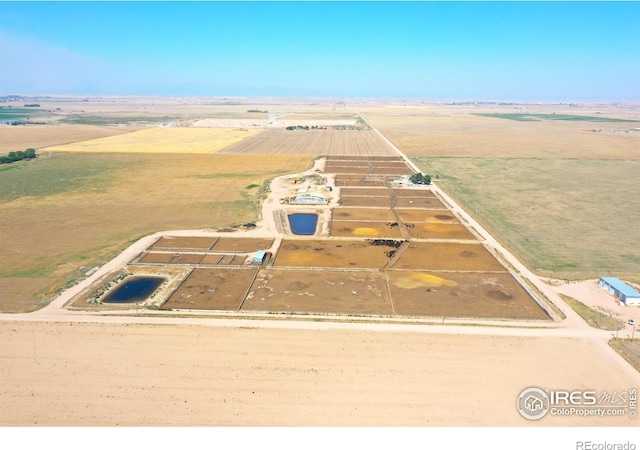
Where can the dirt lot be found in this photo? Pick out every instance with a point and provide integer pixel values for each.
(313, 142)
(171, 258)
(241, 245)
(364, 229)
(189, 242)
(447, 256)
(368, 192)
(359, 180)
(426, 215)
(343, 292)
(419, 202)
(331, 253)
(439, 231)
(374, 202)
(461, 295)
(372, 214)
(212, 289)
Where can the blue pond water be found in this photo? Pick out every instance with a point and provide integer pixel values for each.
(304, 224)
(134, 290)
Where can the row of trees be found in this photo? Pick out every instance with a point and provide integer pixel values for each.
(29, 153)
(418, 178)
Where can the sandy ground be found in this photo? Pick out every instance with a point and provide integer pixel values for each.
(61, 367)
(173, 375)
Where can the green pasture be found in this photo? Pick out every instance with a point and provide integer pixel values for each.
(17, 113)
(523, 117)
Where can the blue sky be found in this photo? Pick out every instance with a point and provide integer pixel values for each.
(431, 50)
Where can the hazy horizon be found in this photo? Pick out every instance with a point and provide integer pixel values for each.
(544, 51)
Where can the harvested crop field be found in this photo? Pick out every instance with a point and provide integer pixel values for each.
(18, 138)
(212, 289)
(313, 142)
(343, 292)
(162, 140)
(343, 253)
(469, 257)
(439, 294)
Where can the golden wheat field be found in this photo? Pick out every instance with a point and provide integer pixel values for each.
(162, 140)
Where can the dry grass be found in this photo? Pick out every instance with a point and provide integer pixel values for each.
(163, 140)
(575, 218)
(464, 135)
(73, 211)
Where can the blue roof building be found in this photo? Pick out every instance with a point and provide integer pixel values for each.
(620, 290)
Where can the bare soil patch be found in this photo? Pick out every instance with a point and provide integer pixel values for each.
(439, 231)
(212, 289)
(365, 214)
(350, 228)
(342, 292)
(241, 244)
(414, 193)
(427, 215)
(331, 253)
(368, 192)
(362, 201)
(171, 258)
(332, 377)
(359, 180)
(448, 256)
(461, 295)
(420, 202)
(189, 242)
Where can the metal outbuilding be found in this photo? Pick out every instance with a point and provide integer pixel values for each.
(620, 290)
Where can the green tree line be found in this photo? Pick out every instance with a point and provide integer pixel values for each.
(29, 153)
